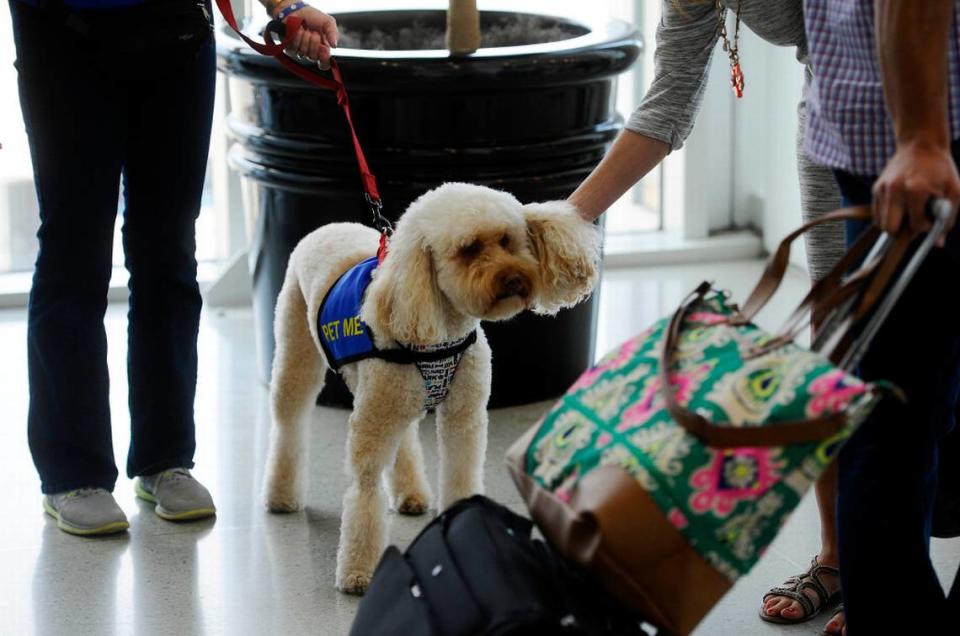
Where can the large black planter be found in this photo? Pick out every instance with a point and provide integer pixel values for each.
(532, 120)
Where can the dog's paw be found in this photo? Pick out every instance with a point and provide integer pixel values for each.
(355, 583)
(413, 504)
(282, 505)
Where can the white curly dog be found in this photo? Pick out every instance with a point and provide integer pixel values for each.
(460, 254)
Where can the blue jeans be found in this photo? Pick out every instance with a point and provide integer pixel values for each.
(93, 116)
(888, 469)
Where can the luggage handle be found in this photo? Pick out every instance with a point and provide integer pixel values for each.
(834, 341)
(835, 295)
(837, 338)
(883, 263)
(829, 292)
(777, 265)
(941, 210)
(831, 289)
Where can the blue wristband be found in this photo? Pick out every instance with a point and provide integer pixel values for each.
(287, 10)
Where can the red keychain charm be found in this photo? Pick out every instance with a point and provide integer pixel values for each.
(732, 49)
(736, 80)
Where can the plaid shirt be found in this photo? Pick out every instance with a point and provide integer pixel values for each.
(848, 126)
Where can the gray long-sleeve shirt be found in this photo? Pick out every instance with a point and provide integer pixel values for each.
(686, 38)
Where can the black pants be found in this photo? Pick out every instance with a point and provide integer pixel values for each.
(888, 469)
(94, 114)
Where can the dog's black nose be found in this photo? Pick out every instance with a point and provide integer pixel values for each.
(514, 284)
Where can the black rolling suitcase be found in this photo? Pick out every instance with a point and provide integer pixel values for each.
(475, 571)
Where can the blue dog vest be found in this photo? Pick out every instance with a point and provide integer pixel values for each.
(346, 338)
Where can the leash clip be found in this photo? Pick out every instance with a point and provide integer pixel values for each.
(380, 222)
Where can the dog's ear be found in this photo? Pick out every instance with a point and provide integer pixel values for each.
(406, 300)
(568, 251)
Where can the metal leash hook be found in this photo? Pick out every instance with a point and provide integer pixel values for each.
(381, 223)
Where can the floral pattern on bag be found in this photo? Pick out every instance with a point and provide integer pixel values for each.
(751, 393)
(832, 392)
(728, 503)
(733, 475)
(611, 362)
(572, 432)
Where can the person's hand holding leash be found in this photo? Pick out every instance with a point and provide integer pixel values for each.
(317, 35)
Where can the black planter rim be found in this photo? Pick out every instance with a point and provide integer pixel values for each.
(598, 33)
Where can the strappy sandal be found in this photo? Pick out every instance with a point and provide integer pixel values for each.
(838, 610)
(794, 589)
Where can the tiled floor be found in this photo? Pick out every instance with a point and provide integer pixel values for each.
(249, 572)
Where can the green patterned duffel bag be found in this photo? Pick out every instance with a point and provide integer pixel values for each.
(671, 494)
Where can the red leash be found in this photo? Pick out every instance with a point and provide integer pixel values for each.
(268, 47)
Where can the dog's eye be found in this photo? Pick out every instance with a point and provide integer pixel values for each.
(505, 241)
(471, 249)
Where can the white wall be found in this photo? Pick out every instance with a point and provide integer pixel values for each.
(739, 166)
(707, 155)
(766, 191)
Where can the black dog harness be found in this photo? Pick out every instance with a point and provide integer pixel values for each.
(346, 338)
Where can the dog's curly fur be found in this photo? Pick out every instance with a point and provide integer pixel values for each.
(460, 254)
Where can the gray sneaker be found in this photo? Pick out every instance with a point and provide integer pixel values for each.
(179, 497)
(86, 511)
